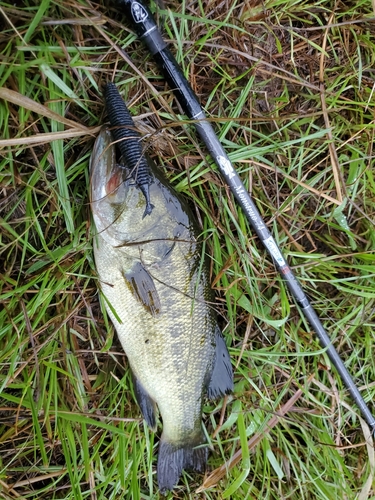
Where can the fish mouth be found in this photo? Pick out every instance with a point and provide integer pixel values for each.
(108, 187)
(114, 194)
(106, 176)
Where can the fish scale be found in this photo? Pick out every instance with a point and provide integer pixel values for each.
(170, 345)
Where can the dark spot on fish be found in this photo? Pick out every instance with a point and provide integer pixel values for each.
(147, 341)
(170, 249)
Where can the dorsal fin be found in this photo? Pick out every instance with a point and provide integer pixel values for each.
(221, 381)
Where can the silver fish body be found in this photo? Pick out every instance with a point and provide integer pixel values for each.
(157, 293)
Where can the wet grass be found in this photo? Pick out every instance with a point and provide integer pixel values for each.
(290, 87)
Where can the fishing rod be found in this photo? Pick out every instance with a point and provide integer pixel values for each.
(147, 30)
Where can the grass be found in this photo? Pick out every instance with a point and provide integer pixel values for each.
(290, 87)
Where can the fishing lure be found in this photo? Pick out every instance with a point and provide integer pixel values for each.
(128, 140)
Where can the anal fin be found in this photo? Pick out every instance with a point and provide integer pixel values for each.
(146, 404)
(221, 381)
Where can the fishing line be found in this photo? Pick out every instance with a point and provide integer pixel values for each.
(147, 30)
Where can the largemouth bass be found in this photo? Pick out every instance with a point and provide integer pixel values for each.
(157, 293)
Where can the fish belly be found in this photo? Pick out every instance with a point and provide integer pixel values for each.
(171, 352)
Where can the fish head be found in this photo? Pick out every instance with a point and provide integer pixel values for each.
(118, 205)
(109, 187)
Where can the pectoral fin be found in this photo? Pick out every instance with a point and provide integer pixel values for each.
(221, 381)
(145, 403)
(143, 288)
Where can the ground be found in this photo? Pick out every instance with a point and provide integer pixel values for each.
(289, 86)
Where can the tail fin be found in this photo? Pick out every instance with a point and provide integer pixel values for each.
(173, 458)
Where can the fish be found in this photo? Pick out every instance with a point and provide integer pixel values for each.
(155, 280)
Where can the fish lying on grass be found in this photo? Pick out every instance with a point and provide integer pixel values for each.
(158, 295)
